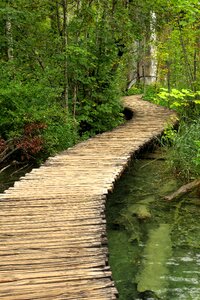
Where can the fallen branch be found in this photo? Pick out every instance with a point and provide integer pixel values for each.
(5, 168)
(13, 163)
(183, 190)
(4, 157)
(19, 170)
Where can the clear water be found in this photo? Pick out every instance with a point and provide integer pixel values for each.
(154, 245)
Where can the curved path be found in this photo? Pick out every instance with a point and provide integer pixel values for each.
(53, 231)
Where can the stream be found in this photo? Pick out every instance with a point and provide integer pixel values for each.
(154, 245)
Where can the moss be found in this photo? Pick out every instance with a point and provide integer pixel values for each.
(140, 210)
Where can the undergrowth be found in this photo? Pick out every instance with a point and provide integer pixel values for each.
(184, 153)
(183, 145)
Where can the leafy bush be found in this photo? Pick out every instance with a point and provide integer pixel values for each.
(96, 118)
(134, 90)
(150, 92)
(102, 110)
(33, 121)
(183, 101)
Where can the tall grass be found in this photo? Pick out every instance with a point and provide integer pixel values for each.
(184, 154)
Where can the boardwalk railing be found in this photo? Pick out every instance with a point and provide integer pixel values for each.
(53, 228)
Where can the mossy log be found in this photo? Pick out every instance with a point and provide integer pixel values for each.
(183, 190)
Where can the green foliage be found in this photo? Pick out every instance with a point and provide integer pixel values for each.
(77, 65)
(169, 135)
(34, 103)
(60, 133)
(97, 118)
(150, 91)
(185, 102)
(134, 90)
(177, 44)
(184, 155)
(183, 146)
(81, 65)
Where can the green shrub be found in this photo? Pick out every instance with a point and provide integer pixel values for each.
(33, 106)
(102, 111)
(134, 90)
(184, 155)
(185, 102)
(150, 92)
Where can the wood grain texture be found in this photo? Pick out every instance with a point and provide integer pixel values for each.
(52, 222)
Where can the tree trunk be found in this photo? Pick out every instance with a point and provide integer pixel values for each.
(152, 49)
(9, 39)
(187, 62)
(75, 99)
(58, 19)
(65, 44)
(169, 76)
(195, 69)
(148, 63)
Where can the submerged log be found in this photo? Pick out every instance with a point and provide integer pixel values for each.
(183, 190)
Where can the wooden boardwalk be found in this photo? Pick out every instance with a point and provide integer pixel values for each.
(52, 222)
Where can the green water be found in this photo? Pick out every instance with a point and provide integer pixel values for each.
(154, 246)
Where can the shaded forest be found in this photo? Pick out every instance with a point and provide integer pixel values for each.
(66, 64)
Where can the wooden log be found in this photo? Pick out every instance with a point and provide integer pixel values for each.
(183, 190)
